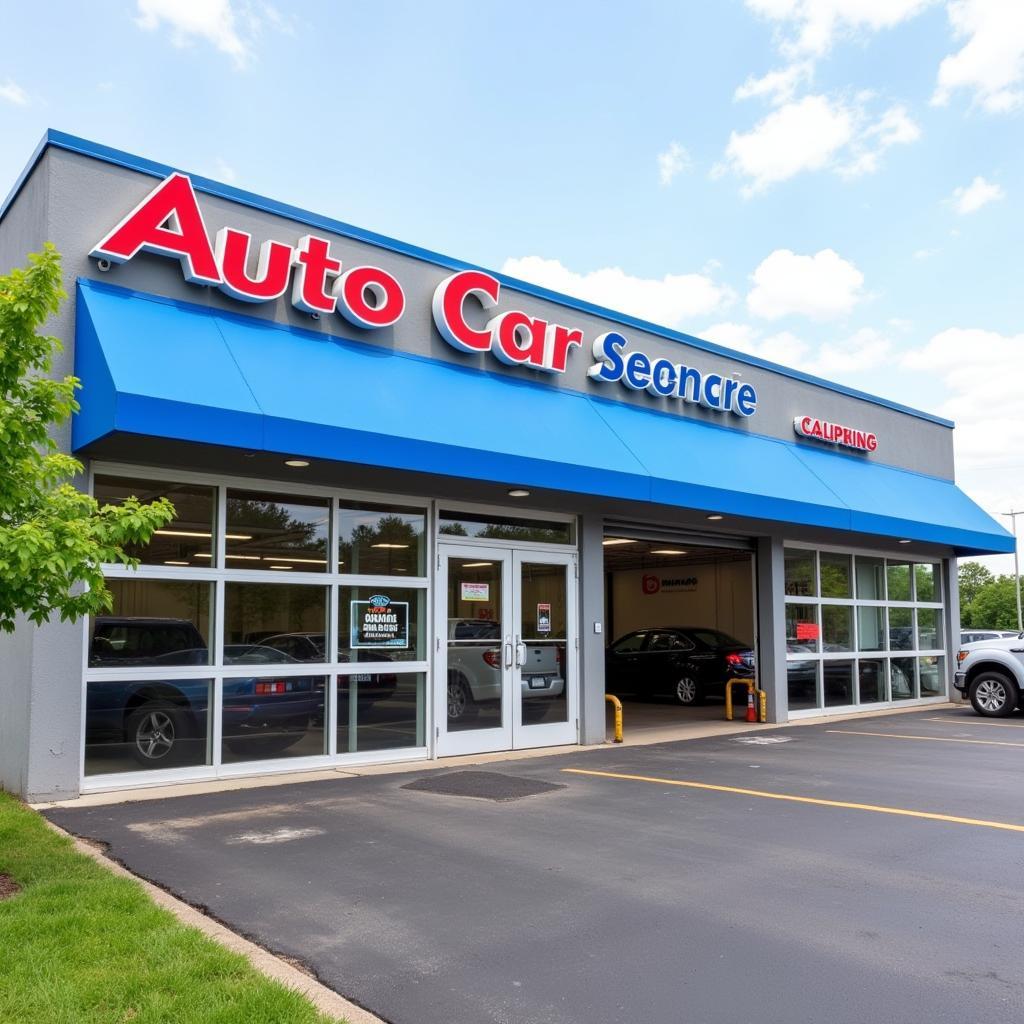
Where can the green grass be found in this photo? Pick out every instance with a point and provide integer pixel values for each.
(80, 945)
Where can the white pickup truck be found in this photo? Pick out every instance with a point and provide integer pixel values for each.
(991, 674)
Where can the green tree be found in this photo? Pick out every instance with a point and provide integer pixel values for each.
(53, 538)
(973, 576)
(995, 605)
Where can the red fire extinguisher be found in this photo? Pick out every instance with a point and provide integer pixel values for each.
(751, 709)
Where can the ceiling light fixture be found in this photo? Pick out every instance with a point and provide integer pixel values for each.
(296, 463)
(668, 551)
(518, 492)
(305, 561)
(714, 517)
(905, 541)
(391, 547)
(475, 565)
(245, 558)
(280, 567)
(168, 561)
(609, 541)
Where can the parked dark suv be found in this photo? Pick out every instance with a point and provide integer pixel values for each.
(688, 663)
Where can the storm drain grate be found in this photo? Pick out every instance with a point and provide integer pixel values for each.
(482, 785)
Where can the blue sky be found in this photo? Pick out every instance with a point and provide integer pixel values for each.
(835, 184)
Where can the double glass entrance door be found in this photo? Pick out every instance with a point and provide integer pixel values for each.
(506, 648)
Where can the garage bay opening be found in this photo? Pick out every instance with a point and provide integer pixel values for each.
(680, 620)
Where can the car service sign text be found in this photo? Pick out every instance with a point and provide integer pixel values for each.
(169, 222)
(834, 433)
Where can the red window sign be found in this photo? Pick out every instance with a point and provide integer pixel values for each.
(807, 631)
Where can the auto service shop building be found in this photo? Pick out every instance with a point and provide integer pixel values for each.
(416, 499)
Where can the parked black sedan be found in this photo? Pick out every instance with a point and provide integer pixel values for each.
(686, 663)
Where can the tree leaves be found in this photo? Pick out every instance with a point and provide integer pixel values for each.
(53, 538)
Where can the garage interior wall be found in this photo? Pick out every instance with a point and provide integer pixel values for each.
(714, 593)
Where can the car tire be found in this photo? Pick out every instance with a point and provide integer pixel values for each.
(687, 693)
(155, 731)
(994, 695)
(461, 707)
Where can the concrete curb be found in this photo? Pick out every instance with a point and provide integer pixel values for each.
(326, 1000)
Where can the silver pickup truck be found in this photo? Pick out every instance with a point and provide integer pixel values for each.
(990, 673)
(474, 667)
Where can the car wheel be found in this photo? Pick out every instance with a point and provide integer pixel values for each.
(155, 731)
(994, 695)
(686, 692)
(460, 700)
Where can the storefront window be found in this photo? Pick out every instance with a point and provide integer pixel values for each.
(268, 718)
(837, 627)
(537, 531)
(286, 621)
(188, 540)
(802, 630)
(929, 629)
(901, 629)
(276, 532)
(153, 622)
(870, 578)
(381, 540)
(871, 680)
(380, 711)
(871, 628)
(926, 578)
(898, 577)
(146, 725)
(835, 575)
(802, 682)
(933, 681)
(838, 676)
(800, 574)
(382, 624)
(903, 683)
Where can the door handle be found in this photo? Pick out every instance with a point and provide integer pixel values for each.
(508, 654)
(520, 653)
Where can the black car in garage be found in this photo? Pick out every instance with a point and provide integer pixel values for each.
(686, 663)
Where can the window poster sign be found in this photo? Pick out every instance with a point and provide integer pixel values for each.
(807, 631)
(476, 591)
(544, 618)
(379, 622)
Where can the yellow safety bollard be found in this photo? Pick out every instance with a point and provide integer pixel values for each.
(751, 686)
(612, 699)
(763, 705)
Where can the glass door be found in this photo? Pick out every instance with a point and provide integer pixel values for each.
(505, 650)
(475, 650)
(544, 677)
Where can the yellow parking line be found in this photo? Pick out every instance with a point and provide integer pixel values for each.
(977, 720)
(900, 811)
(933, 739)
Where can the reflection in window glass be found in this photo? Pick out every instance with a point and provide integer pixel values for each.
(382, 624)
(153, 622)
(871, 680)
(929, 629)
(835, 575)
(871, 628)
(381, 540)
(133, 725)
(903, 685)
(838, 676)
(276, 531)
(901, 629)
(837, 627)
(380, 711)
(802, 682)
(800, 576)
(802, 630)
(187, 539)
(898, 577)
(926, 578)
(933, 682)
(286, 621)
(870, 578)
(513, 528)
(268, 718)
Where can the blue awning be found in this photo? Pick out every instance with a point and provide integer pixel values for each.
(156, 367)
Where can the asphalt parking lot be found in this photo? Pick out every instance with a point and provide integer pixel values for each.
(716, 880)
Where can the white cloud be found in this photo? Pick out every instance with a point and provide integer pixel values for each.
(991, 62)
(812, 134)
(212, 20)
(776, 86)
(13, 93)
(970, 198)
(924, 254)
(816, 23)
(669, 300)
(865, 349)
(783, 347)
(823, 286)
(224, 171)
(673, 161)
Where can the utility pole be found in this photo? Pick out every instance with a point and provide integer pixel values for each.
(1016, 567)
